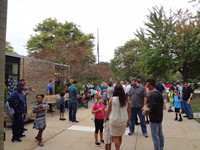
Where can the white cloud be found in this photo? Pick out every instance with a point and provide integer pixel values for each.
(117, 20)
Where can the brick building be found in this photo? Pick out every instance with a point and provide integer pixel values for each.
(3, 18)
(37, 74)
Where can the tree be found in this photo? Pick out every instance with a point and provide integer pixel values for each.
(62, 43)
(187, 42)
(124, 63)
(156, 42)
(170, 44)
(9, 48)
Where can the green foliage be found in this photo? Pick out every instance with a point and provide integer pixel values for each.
(58, 89)
(63, 43)
(195, 103)
(125, 60)
(170, 44)
(9, 48)
(79, 85)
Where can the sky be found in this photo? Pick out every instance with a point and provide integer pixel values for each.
(116, 20)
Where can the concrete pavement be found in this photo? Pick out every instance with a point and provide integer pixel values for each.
(65, 135)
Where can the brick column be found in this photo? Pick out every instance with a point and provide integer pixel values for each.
(3, 19)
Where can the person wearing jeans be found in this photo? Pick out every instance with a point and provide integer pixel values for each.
(155, 110)
(134, 112)
(138, 97)
(157, 135)
(73, 101)
(187, 94)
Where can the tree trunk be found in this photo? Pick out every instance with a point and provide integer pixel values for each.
(184, 72)
(3, 17)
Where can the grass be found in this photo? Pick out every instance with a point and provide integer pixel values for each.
(195, 104)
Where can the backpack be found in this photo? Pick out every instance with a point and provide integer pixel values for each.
(58, 102)
(9, 110)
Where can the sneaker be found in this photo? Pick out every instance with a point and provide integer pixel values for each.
(102, 141)
(25, 129)
(185, 116)
(137, 123)
(190, 118)
(40, 144)
(145, 135)
(130, 133)
(63, 119)
(23, 135)
(180, 119)
(16, 141)
(97, 143)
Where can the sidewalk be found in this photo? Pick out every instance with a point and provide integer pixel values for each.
(64, 135)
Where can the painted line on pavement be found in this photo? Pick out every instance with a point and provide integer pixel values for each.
(88, 129)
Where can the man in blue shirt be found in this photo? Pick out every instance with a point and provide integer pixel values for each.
(73, 101)
(49, 88)
(17, 100)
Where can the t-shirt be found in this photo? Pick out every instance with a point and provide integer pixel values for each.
(137, 95)
(99, 114)
(186, 93)
(177, 103)
(155, 101)
(50, 89)
(73, 92)
(160, 87)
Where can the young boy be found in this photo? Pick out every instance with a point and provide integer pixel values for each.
(170, 97)
(177, 105)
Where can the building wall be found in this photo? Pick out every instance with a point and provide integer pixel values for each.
(37, 74)
(3, 18)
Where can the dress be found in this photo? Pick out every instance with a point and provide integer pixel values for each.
(40, 118)
(118, 118)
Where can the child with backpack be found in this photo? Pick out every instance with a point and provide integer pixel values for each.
(62, 105)
(98, 110)
(177, 105)
(39, 124)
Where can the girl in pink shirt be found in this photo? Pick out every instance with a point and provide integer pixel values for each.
(98, 110)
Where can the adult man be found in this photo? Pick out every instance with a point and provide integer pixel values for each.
(72, 102)
(17, 101)
(160, 87)
(25, 91)
(49, 88)
(187, 94)
(138, 97)
(155, 109)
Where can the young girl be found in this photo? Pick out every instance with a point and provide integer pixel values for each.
(40, 110)
(62, 106)
(177, 105)
(98, 110)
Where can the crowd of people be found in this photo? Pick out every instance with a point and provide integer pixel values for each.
(116, 106)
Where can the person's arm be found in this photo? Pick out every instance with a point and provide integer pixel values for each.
(108, 110)
(189, 100)
(13, 99)
(94, 111)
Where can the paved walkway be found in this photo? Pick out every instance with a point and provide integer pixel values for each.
(65, 135)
